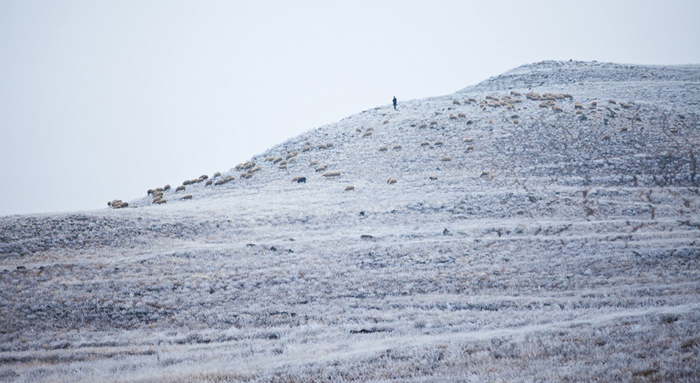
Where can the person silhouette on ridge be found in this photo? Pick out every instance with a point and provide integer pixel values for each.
(394, 101)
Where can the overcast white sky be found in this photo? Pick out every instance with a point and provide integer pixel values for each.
(106, 99)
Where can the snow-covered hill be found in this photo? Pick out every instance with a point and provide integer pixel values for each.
(543, 226)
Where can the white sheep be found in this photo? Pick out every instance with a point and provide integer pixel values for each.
(313, 163)
(433, 123)
(217, 174)
(277, 160)
(433, 178)
(446, 158)
(438, 143)
(425, 143)
(186, 197)
(209, 183)
(332, 173)
(386, 122)
(322, 146)
(306, 148)
(349, 188)
(462, 115)
(367, 134)
(322, 167)
(453, 117)
(396, 147)
(423, 126)
(578, 105)
(514, 93)
(468, 139)
(160, 201)
(391, 181)
(383, 149)
(456, 102)
(180, 188)
(166, 187)
(269, 158)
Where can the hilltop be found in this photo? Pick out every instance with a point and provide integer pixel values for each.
(540, 225)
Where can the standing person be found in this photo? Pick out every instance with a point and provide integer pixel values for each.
(394, 102)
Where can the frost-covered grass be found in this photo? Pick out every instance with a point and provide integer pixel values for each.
(543, 253)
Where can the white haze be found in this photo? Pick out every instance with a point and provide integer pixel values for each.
(103, 100)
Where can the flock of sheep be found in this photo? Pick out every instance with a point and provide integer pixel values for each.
(249, 168)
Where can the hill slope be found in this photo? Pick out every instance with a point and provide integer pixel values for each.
(546, 230)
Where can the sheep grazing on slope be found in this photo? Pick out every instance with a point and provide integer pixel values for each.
(594, 104)
(249, 165)
(367, 134)
(256, 169)
(209, 183)
(468, 139)
(425, 143)
(470, 147)
(306, 148)
(269, 158)
(322, 167)
(433, 178)
(386, 122)
(322, 146)
(456, 102)
(180, 188)
(556, 109)
(472, 99)
(485, 173)
(514, 93)
(625, 105)
(349, 188)
(446, 158)
(204, 177)
(453, 117)
(623, 129)
(358, 130)
(533, 96)
(186, 197)
(391, 181)
(276, 160)
(291, 154)
(606, 137)
(370, 129)
(160, 201)
(282, 163)
(166, 187)
(423, 126)
(313, 163)
(217, 174)
(150, 191)
(611, 101)
(462, 115)
(299, 179)
(578, 105)
(433, 123)
(160, 189)
(396, 147)
(333, 173)
(438, 143)
(383, 149)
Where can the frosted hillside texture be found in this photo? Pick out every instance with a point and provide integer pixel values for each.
(544, 226)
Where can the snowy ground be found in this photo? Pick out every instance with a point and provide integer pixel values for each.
(560, 248)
